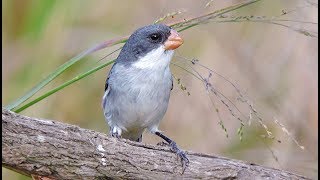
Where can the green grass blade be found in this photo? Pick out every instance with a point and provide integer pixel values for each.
(60, 70)
(77, 78)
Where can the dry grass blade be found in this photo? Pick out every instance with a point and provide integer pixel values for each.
(172, 14)
(203, 19)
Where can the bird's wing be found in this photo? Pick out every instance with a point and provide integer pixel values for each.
(106, 88)
(106, 85)
(106, 92)
(171, 83)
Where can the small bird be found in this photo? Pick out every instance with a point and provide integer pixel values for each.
(138, 86)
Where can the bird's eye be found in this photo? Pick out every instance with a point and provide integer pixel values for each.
(155, 37)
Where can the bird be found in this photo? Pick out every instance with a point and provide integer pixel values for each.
(138, 86)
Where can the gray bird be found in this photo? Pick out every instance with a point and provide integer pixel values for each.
(138, 86)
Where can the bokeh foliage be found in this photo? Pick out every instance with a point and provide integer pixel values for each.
(275, 66)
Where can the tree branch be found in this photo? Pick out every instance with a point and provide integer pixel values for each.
(62, 151)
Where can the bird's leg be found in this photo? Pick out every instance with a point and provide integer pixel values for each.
(175, 149)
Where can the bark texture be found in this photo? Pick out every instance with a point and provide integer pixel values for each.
(62, 151)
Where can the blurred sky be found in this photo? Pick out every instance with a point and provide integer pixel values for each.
(275, 66)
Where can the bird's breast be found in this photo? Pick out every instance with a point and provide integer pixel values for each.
(139, 97)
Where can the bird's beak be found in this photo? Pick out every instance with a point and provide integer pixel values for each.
(173, 41)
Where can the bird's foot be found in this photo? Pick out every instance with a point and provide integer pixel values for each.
(181, 154)
(115, 132)
(116, 135)
(174, 148)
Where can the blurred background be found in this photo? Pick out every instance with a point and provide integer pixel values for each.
(274, 66)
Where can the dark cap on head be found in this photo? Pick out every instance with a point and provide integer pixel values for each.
(143, 41)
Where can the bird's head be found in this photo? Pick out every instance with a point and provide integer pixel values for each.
(149, 45)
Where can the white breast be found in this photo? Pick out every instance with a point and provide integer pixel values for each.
(156, 59)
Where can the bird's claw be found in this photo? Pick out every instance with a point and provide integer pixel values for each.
(181, 154)
(184, 160)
